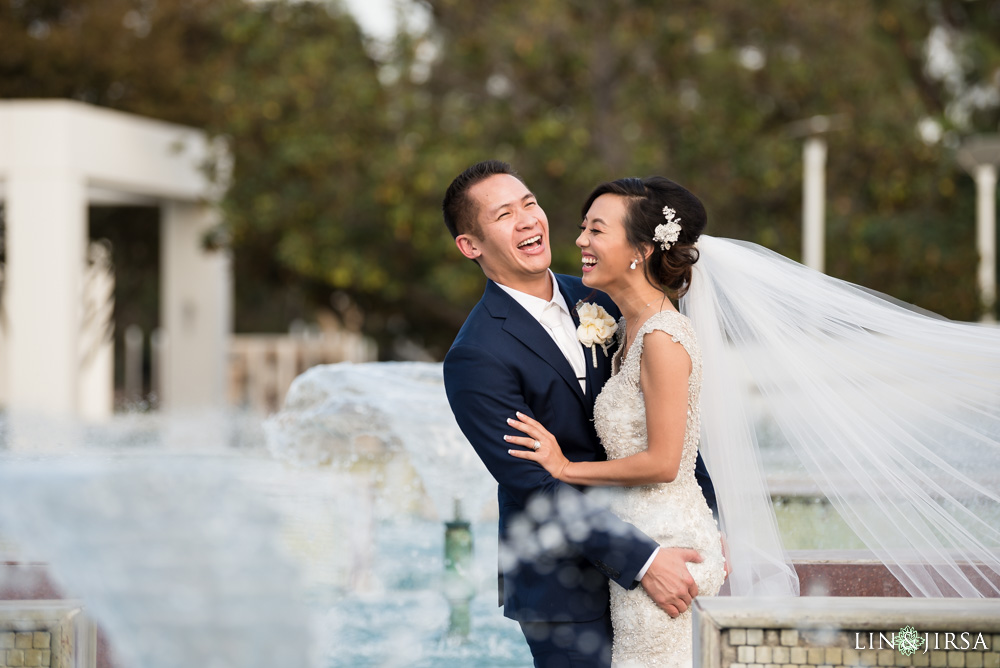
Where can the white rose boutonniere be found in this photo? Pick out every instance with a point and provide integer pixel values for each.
(596, 328)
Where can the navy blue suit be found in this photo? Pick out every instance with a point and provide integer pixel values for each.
(504, 361)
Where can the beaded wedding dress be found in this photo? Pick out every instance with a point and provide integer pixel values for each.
(674, 514)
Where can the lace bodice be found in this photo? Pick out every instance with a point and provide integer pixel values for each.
(620, 419)
(620, 411)
(674, 514)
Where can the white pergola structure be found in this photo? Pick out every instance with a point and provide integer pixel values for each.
(58, 156)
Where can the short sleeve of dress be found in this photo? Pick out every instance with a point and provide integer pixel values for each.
(678, 326)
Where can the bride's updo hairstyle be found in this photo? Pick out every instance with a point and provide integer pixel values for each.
(645, 200)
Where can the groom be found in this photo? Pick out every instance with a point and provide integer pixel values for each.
(518, 352)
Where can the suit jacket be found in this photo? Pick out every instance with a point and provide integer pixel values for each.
(558, 547)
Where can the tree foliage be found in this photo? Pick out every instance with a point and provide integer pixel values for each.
(343, 148)
(712, 93)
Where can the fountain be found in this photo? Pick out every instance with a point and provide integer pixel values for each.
(338, 533)
(171, 552)
(341, 415)
(356, 527)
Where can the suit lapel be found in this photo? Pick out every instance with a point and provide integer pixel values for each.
(596, 375)
(523, 327)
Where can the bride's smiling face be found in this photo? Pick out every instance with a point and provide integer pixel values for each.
(606, 252)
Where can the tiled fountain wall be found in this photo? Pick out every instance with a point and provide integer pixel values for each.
(834, 632)
(53, 634)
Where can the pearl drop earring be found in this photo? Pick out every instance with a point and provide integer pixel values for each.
(632, 266)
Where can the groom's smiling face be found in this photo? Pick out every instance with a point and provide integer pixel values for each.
(511, 240)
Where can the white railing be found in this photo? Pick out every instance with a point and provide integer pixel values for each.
(263, 366)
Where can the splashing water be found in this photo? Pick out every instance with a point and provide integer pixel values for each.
(343, 415)
(172, 555)
(189, 542)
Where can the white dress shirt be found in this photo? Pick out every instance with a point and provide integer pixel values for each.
(536, 306)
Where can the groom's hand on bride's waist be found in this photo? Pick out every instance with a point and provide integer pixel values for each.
(668, 581)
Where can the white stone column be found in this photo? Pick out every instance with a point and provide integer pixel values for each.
(3, 345)
(979, 156)
(814, 203)
(46, 249)
(986, 237)
(195, 310)
(97, 337)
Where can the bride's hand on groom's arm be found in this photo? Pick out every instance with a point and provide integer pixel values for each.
(542, 447)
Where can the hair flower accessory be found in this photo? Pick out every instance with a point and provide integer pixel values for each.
(668, 232)
(596, 328)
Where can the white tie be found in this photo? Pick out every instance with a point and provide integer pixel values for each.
(552, 318)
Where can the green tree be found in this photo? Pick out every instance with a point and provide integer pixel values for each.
(709, 93)
(287, 85)
(342, 150)
(148, 58)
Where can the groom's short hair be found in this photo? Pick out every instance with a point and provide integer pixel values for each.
(460, 210)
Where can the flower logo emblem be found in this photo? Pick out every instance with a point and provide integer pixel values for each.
(908, 641)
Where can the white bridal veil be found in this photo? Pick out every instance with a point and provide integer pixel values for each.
(894, 414)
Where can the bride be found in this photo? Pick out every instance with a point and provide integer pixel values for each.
(893, 413)
(647, 415)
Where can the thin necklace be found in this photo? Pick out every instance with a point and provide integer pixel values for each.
(628, 346)
(644, 310)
